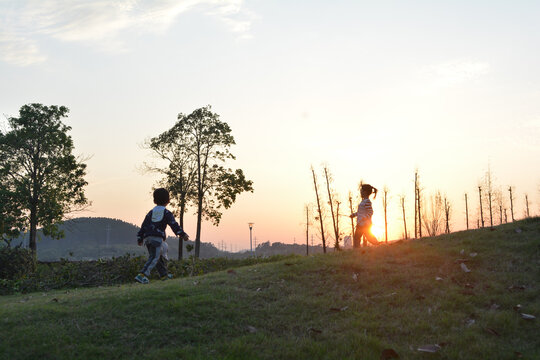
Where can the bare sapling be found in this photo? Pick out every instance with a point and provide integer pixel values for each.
(319, 209)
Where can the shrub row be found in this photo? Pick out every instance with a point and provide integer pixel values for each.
(72, 274)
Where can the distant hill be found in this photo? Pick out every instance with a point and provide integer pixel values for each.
(89, 238)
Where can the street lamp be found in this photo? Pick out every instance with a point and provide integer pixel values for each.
(250, 232)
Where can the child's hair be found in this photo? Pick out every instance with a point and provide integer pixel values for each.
(368, 190)
(161, 197)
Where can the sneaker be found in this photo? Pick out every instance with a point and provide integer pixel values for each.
(142, 279)
(166, 277)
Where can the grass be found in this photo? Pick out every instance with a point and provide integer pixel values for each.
(347, 305)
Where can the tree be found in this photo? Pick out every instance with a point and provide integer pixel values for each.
(179, 175)
(447, 212)
(466, 211)
(319, 209)
(331, 200)
(43, 176)
(352, 211)
(402, 201)
(385, 207)
(434, 215)
(417, 206)
(510, 188)
(481, 204)
(208, 140)
(11, 213)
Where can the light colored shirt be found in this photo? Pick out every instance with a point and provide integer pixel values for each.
(364, 213)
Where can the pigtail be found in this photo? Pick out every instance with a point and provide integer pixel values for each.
(374, 192)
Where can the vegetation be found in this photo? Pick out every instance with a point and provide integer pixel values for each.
(41, 180)
(463, 294)
(196, 149)
(17, 272)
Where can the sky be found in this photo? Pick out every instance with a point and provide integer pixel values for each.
(372, 89)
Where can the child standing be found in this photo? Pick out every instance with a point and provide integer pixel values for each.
(363, 217)
(152, 232)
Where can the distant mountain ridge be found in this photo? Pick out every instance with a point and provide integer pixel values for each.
(90, 238)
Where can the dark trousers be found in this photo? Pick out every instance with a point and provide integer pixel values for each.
(161, 266)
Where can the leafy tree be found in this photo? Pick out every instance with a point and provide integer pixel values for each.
(204, 143)
(42, 179)
(179, 175)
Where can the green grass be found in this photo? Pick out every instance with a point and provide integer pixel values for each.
(305, 307)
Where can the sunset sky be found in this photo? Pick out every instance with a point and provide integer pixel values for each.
(373, 89)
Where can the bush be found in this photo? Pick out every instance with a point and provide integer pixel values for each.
(15, 263)
(119, 270)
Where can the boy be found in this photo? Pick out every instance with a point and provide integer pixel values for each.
(152, 232)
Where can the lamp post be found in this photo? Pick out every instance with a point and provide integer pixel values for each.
(250, 233)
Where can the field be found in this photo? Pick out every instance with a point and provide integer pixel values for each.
(406, 296)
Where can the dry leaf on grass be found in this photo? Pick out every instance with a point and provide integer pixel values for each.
(231, 271)
(527, 316)
(432, 348)
(492, 331)
(389, 354)
(516, 287)
(251, 329)
(355, 276)
(464, 268)
(437, 278)
(339, 309)
(517, 307)
(316, 331)
(473, 254)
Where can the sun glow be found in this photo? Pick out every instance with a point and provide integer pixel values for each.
(378, 231)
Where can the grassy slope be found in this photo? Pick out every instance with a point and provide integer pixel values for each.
(283, 310)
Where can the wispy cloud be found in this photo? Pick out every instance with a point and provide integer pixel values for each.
(455, 72)
(24, 23)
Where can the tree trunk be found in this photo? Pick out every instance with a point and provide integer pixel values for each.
(416, 205)
(199, 220)
(481, 207)
(404, 218)
(319, 208)
(466, 211)
(511, 203)
(33, 229)
(307, 230)
(181, 221)
(490, 211)
(331, 201)
(419, 214)
(352, 220)
(527, 205)
(385, 203)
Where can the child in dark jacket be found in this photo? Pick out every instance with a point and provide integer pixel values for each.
(152, 232)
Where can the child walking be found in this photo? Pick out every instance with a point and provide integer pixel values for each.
(152, 233)
(363, 217)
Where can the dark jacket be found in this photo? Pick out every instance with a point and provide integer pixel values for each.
(156, 221)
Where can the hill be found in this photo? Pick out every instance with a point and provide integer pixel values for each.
(88, 238)
(466, 295)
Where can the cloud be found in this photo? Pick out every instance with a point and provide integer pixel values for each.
(455, 72)
(100, 23)
(19, 50)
